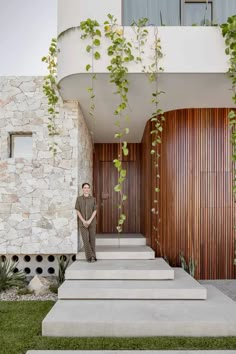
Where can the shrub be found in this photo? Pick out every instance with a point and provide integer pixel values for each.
(9, 276)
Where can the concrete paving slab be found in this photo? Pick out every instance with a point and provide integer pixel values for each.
(215, 317)
(122, 240)
(122, 252)
(182, 287)
(227, 286)
(120, 269)
(131, 351)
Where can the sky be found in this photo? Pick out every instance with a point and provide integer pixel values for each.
(26, 29)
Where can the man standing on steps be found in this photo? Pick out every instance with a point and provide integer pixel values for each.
(86, 211)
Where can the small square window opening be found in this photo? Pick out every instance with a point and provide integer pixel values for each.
(21, 145)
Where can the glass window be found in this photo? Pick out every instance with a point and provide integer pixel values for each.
(21, 145)
(223, 9)
(198, 13)
(178, 12)
(158, 12)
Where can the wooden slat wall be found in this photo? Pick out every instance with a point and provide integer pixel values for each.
(105, 178)
(196, 201)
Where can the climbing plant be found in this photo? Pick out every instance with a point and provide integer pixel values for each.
(140, 41)
(90, 30)
(50, 89)
(158, 119)
(229, 33)
(152, 72)
(120, 53)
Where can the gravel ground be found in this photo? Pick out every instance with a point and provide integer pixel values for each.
(11, 295)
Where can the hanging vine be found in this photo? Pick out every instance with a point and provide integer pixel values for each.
(141, 34)
(90, 30)
(120, 54)
(229, 33)
(152, 71)
(158, 119)
(51, 91)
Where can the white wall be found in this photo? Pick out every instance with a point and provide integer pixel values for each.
(185, 49)
(26, 28)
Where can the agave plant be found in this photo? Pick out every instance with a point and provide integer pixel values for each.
(190, 267)
(9, 277)
(62, 265)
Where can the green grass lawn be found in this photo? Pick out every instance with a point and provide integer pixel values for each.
(20, 330)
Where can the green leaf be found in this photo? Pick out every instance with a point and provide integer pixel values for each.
(119, 229)
(117, 188)
(231, 115)
(88, 66)
(88, 48)
(96, 42)
(97, 55)
(117, 163)
(125, 151)
(123, 173)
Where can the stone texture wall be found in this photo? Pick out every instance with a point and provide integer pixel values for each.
(37, 195)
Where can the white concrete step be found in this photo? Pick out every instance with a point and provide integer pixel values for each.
(131, 352)
(121, 240)
(182, 287)
(120, 269)
(215, 317)
(122, 252)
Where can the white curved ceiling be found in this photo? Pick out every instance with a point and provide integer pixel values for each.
(181, 91)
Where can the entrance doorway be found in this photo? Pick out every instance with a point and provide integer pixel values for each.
(105, 179)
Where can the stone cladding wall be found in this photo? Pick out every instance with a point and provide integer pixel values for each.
(37, 195)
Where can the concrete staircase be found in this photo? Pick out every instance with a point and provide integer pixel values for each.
(129, 292)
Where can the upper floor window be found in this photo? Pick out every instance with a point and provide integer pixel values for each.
(197, 13)
(21, 145)
(178, 12)
(158, 12)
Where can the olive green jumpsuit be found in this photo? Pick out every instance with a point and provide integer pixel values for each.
(86, 206)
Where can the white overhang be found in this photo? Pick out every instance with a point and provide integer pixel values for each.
(195, 67)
